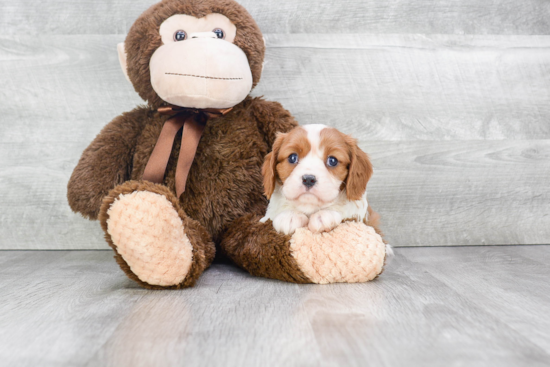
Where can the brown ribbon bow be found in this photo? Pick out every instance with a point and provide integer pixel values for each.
(193, 122)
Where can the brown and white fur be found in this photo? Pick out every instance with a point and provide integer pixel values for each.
(310, 192)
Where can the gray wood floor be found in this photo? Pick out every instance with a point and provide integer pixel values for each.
(439, 306)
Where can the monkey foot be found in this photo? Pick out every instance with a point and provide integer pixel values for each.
(351, 253)
(150, 237)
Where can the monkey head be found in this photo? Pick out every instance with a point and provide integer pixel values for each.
(193, 53)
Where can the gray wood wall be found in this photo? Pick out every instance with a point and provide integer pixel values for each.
(450, 98)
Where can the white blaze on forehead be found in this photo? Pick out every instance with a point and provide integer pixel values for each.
(327, 186)
(314, 135)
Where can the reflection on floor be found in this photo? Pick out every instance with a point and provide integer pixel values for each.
(433, 306)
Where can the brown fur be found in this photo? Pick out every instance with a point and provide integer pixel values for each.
(296, 142)
(360, 171)
(224, 181)
(354, 168)
(276, 167)
(335, 144)
(224, 197)
(203, 247)
(144, 38)
(374, 222)
(106, 162)
(270, 166)
(260, 250)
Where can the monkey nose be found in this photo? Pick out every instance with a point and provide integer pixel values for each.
(309, 181)
(203, 35)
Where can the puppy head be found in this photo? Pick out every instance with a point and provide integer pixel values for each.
(313, 163)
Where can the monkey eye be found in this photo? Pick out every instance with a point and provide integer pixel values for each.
(293, 158)
(332, 161)
(219, 33)
(180, 35)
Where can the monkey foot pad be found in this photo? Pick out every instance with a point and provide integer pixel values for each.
(351, 253)
(149, 235)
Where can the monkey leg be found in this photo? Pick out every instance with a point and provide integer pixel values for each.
(155, 242)
(352, 252)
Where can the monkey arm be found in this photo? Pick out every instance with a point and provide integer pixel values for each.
(272, 118)
(106, 163)
(352, 252)
(259, 249)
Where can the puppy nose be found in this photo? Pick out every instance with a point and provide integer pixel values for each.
(308, 180)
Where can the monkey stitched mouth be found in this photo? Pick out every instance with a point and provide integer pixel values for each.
(204, 77)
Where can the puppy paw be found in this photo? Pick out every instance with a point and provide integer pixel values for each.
(289, 221)
(324, 221)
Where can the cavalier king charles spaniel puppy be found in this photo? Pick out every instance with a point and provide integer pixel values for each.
(316, 177)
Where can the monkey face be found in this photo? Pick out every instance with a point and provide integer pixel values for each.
(193, 53)
(198, 65)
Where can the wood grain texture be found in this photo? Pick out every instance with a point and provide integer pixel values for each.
(518, 282)
(60, 88)
(432, 306)
(290, 16)
(65, 88)
(35, 212)
(410, 87)
(457, 127)
(462, 193)
(428, 193)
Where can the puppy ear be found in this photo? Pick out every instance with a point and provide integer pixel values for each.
(269, 169)
(359, 172)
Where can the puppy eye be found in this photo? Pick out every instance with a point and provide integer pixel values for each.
(180, 35)
(293, 158)
(332, 162)
(219, 33)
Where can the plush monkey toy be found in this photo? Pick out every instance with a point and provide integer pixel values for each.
(180, 179)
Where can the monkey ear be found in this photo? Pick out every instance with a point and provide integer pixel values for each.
(122, 59)
(265, 61)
